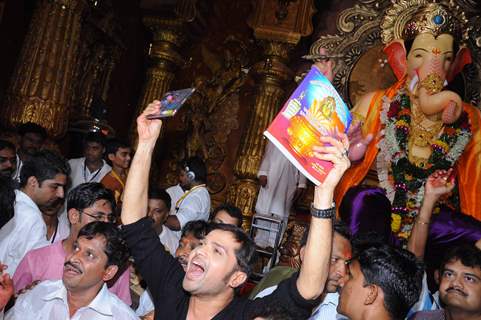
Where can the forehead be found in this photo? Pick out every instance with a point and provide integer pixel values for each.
(427, 41)
(96, 244)
(189, 237)
(93, 144)
(223, 238)
(7, 152)
(459, 267)
(355, 269)
(59, 178)
(341, 246)
(102, 204)
(123, 150)
(33, 135)
(222, 214)
(156, 203)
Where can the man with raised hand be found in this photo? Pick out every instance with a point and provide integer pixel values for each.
(223, 261)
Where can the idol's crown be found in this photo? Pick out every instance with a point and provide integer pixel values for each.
(406, 19)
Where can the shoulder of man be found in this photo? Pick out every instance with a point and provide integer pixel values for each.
(428, 315)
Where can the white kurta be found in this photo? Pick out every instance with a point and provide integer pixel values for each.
(282, 181)
(277, 196)
(79, 173)
(24, 232)
(175, 193)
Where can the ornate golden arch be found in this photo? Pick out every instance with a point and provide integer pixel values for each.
(363, 66)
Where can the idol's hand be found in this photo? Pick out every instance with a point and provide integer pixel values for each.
(359, 144)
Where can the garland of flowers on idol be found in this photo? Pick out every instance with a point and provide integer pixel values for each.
(402, 180)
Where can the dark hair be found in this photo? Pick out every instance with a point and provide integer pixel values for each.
(468, 254)
(231, 210)
(365, 240)
(4, 144)
(115, 247)
(197, 166)
(43, 165)
(339, 227)
(397, 272)
(84, 196)
(114, 144)
(276, 311)
(197, 228)
(366, 209)
(160, 194)
(31, 127)
(246, 254)
(7, 199)
(96, 137)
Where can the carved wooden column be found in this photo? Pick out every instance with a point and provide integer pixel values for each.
(164, 56)
(279, 26)
(43, 79)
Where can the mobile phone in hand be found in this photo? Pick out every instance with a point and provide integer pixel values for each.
(171, 102)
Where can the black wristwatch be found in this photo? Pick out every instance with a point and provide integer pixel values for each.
(323, 213)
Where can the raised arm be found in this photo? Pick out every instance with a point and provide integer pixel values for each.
(134, 205)
(315, 266)
(438, 184)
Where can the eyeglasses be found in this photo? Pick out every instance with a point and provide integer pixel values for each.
(100, 217)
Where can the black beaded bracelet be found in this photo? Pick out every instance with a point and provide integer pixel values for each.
(323, 213)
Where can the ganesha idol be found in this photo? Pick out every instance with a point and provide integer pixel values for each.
(418, 126)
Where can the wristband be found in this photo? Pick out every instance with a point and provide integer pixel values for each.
(323, 213)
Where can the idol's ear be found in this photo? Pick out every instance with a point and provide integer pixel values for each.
(396, 57)
(463, 57)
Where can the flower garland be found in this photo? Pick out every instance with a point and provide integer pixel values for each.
(402, 180)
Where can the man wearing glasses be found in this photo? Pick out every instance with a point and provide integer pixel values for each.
(85, 203)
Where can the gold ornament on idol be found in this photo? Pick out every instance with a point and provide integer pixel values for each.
(406, 19)
(423, 133)
(433, 83)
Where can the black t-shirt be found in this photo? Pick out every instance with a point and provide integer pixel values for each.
(164, 275)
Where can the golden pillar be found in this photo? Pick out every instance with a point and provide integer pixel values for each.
(42, 82)
(278, 30)
(271, 76)
(164, 56)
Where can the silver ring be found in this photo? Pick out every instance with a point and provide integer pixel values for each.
(345, 153)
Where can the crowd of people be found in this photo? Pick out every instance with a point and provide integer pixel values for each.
(76, 234)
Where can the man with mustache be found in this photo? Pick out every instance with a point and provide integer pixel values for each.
(224, 260)
(98, 254)
(86, 203)
(42, 183)
(32, 138)
(8, 159)
(460, 286)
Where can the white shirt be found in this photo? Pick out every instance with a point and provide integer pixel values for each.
(283, 179)
(195, 206)
(80, 173)
(169, 239)
(145, 304)
(63, 229)
(48, 301)
(175, 193)
(24, 232)
(327, 310)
